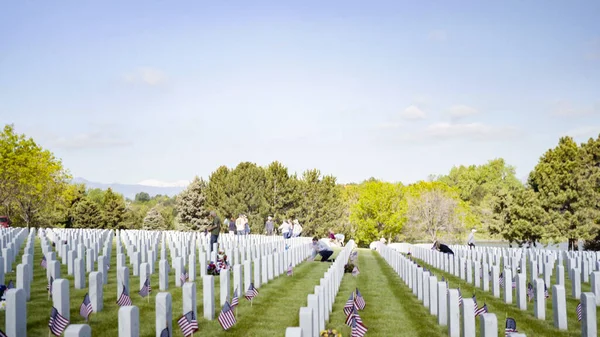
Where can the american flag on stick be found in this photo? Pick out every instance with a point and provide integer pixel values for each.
(355, 271)
(184, 276)
(58, 323)
(358, 328)
(188, 323)
(251, 293)
(44, 263)
(354, 316)
(529, 291)
(360, 301)
(11, 285)
(546, 295)
(501, 279)
(235, 300)
(124, 299)
(290, 270)
(350, 305)
(481, 310)
(579, 311)
(49, 286)
(85, 310)
(460, 300)
(226, 317)
(146, 288)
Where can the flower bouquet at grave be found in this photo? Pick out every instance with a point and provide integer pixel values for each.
(330, 333)
(212, 269)
(349, 267)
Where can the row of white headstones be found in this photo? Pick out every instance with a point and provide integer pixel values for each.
(320, 304)
(477, 266)
(78, 249)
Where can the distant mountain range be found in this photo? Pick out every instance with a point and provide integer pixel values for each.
(130, 190)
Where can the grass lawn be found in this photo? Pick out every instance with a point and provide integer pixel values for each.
(391, 309)
(526, 321)
(273, 310)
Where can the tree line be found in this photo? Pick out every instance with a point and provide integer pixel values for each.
(559, 201)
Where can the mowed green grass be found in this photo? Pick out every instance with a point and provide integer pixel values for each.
(391, 309)
(272, 311)
(526, 321)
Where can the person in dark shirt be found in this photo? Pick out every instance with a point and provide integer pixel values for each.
(214, 228)
(442, 248)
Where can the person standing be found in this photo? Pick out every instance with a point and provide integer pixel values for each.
(231, 226)
(471, 238)
(285, 228)
(239, 224)
(214, 228)
(297, 229)
(269, 226)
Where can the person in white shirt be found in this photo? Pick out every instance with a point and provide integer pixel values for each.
(471, 238)
(297, 229)
(240, 225)
(285, 229)
(321, 248)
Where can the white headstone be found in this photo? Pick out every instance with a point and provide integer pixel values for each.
(208, 288)
(453, 313)
(163, 275)
(78, 330)
(16, 313)
(559, 307)
(225, 289)
(129, 321)
(60, 297)
(588, 321)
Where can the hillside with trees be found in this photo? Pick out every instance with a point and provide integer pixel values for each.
(559, 201)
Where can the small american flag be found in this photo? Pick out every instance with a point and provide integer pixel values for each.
(475, 308)
(49, 286)
(360, 301)
(11, 285)
(350, 305)
(358, 328)
(529, 291)
(290, 270)
(165, 332)
(124, 299)
(459, 297)
(481, 310)
(579, 311)
(58, 323)
(184, 276)
(355, 271)
(188, 324)
(146, 288)
(511, 326)
(251, 293)
(501, 279)
(43, 263)
(546, 295)
(354, 316)
(514, 283)
(85, 310)
(235, 300)
(226, 317)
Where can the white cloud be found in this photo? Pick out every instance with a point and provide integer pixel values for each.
(437, 35)
(90, 140)
(567, 109)
(583, 132)
(149, 76)
(469, 131)
(159, 183)
(412, 113)
(461, 111)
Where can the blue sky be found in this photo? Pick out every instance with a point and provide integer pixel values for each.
(125, 91)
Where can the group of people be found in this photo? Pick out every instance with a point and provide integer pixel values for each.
(289, 228)
(239, 226)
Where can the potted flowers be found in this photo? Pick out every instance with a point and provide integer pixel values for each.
(330, 333)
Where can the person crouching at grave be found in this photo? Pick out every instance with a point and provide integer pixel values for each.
(440, 247)
(214, 229)
(321, 248)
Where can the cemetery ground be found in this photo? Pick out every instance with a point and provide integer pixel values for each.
(526, 321)
(391, 309)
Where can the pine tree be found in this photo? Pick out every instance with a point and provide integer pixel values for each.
(114, 209)
(154, 220)
(87, 214)
(192, 208)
